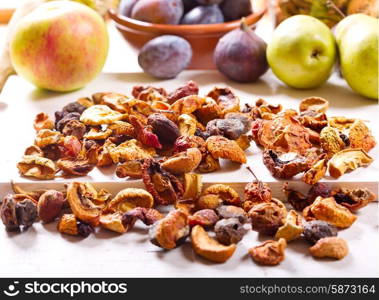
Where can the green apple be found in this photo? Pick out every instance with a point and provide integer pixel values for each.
(60, 45)
(357, 37)
(302, 52)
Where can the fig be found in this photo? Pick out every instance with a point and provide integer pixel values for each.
(241, 55)
(203, 15)
(158, 11)
(236, 9)
(165, 56)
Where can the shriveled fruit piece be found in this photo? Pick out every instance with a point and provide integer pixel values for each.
(100, 114)
(269, 253)
(81, 203)
(292, 227)
(224, 192)
(348, 159)
(353, 199)
(360, 136)
(37, 167)
(221, 147)
(50, 205)
(230, 231)
(131, 168)
(113, 222)
(130, 198)
(192, 186)
(168, 232)
(315, 230)
(183, 162)
(209, 248)
(331, 247)
(203, 217)
(232, 211)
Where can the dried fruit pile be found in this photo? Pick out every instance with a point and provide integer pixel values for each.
(81, 209)
(188, 132)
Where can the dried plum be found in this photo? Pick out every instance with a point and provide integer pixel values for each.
(166, 130)
(229, 128)
(229, 231)
(236, 9)
(315, 230)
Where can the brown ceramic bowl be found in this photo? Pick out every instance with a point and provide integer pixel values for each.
(203, 38)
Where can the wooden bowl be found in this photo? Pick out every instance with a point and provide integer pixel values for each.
(203, 38)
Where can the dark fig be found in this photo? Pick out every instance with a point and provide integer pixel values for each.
(241, 55)
(203, 15)
(236, 9)
(165, 56)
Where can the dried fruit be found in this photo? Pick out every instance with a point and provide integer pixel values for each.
(346, 160)
(209, 248)
(147, 215)
(129, 150)
(74, 128)
(68, 224)
(50, 205)
(166, 130)
(285, 165)
(221, 147)
(327, 209)
(331, 247)
(331, 141)
(80, 197)
(170, 231)
(130, 198)
(360, 136)
(144, 134)
(203, 217)
(210, 201)
(224, 192)
(208, 164)
(315, 104)
(353, 199)
(229, 128)
(113, 222)
(43, 121)
(37, 167)
(47, 137)
(316, 172)
(131, 168)
(225, 99)
(75, 167)
(315, 230)
(292, 227)
(232, 211)
(96, 133)
(187, 125)
(188, 89)
(99, 115)
(267, 217)
(164, 186)
(183, 162)
(208, 110)
(229, 231)
(255, 192)
(18, 211)
(269, 253)
(192, 186)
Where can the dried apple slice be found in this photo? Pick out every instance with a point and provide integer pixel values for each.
(130, 198)
(209, 248)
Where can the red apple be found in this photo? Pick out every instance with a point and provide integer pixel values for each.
(60, 46)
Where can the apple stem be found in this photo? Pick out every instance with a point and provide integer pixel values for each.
(331, 4)
(244, 26)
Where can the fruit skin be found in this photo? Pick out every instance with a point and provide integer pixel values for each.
(126, 6)
(236, 9)
(357, 37)
(210, 14)
(60, 46)
(208, 2)
(165, 56)
(241, 55)
(158, 11)
(302, 52)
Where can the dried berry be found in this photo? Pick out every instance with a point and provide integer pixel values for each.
(347, 160)
(315, 230)
(166, 130)
(229, 231)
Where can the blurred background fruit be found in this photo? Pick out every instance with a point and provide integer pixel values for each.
(302, 52)
(210, 14)
(357, 38)
(325, 10)
(158, 11)
(236, 9)
(165, 56)
(241, 55)
(60, 45)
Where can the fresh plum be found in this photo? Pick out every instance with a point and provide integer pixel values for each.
(158, 11)
(236, 9)
(241, 55)
(204, 15)
(126, 6)
(189, 4)
(165, 56)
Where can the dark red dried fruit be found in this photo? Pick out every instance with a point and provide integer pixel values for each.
(183, 143)
(144, 134)
(140, 92)
(166, 130)
(188, 89)
(147, 215)
(164, 186)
